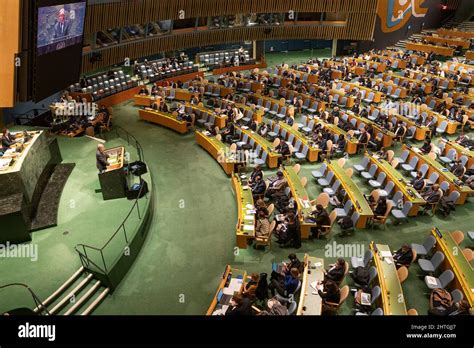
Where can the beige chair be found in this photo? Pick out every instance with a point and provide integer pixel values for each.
(233, 148)
(458, 236)
(304, 181)
(329, 149)
(395, 163)
(266, 241)
(390, 155)
(336, 120)
(216, 129)
(412, 311)
(333, 307)
(295, 126)
(322, 199)
(469, 254)
(219, 137)
(349, 172)
(326, 229)
(276, 142)
(402, 273)
(270, 209)
(297, 168)
(341, 162)
(432, 155)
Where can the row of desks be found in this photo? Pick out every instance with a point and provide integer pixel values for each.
(387, 136)
(444, 173)
(450, 42)
(163, 119)
(266, 145)
(313, 151)
(457, 262)
(401, 184)
(439, 50)
(245, 227)
(219, 150)
(461, 151)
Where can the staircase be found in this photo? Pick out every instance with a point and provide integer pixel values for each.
(80, 295)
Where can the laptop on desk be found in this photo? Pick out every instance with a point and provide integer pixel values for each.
(223, 299)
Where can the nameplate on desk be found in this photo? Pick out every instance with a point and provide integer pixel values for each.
(248, 228)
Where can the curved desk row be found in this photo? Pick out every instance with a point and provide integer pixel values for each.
(163, 119)
(219, 150)
(245, 227)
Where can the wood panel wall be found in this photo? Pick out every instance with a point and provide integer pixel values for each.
(114, 15)
(361, 18)
(10, 42)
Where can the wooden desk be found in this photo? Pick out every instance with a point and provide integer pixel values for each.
(302, 200)
(213, 87)
(402, 64)
(354, 194)
(352, 143)
(427, 87)
(455, 33)
(272, 158)
(461, 151)
(457, 262)
(393, 300)
(144, 100)
(257, 113)
(217, 149)
(444, 173)
(309, 303)
(421, 131)
(245, 227)
(401, 184)
(450, 42)
(181, 94)
(224, 283)
(350, 99)
(219, 120)
(418, 75)
(387, 136)
(439, 50)
(380, 67)
(313, 152)
(470, 55)
(163, 119)
(352, 86)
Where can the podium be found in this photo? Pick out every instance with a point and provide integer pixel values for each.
(113, 181)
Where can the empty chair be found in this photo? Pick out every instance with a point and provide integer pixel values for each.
(362, 261)
(387, 190)
(402, 214)
(457, 295)
(450, 157)
(458, 236)
(261, 160)
(444, 186)
(362, 165)
(453, 197)
(370, 174)
(331, 191)
(425, 248)
(319, 173)
(273, 134)
(439, 283)
(402, 273)
(403, 157)
(313, 108)
(354, 218)
(370, 98)
(411, 166)
(274, 110)
(303, 122)
(327, 180)
(430, 266)
(309, 128)
(282, 113)
(379, 181)
(442, 127)
(343, 212)
(377, 311)
(302, 155)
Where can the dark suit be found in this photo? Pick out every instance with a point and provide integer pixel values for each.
(244, 309)
(403, 258)
(101, 160)
(259, 188)
(418, 183)
(335, 273)
(7, 141)
(61, 29)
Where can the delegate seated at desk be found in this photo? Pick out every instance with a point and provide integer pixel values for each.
(336, 271)
(101, 158)
(403, 256)
(7, 139)
(321, 217)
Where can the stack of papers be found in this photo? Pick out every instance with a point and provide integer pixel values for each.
(385, 253)
(318, 264)
(430, 280)
(248, 227)
(365, 299)
(305, 203)
(4, 163)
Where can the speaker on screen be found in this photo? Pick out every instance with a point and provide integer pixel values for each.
(58, 45)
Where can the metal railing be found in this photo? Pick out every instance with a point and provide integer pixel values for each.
(36, 299)
(85, 250)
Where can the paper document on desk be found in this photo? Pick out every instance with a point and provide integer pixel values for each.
(388, 260)
(305, 203)
(317, 264)
(385, 253)
(248, 227)
(4, 163)
(249, 217)
(431, 280)
(250, 211)
(365, 299)
(249, 206)
(234, 285)
(314, 285)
